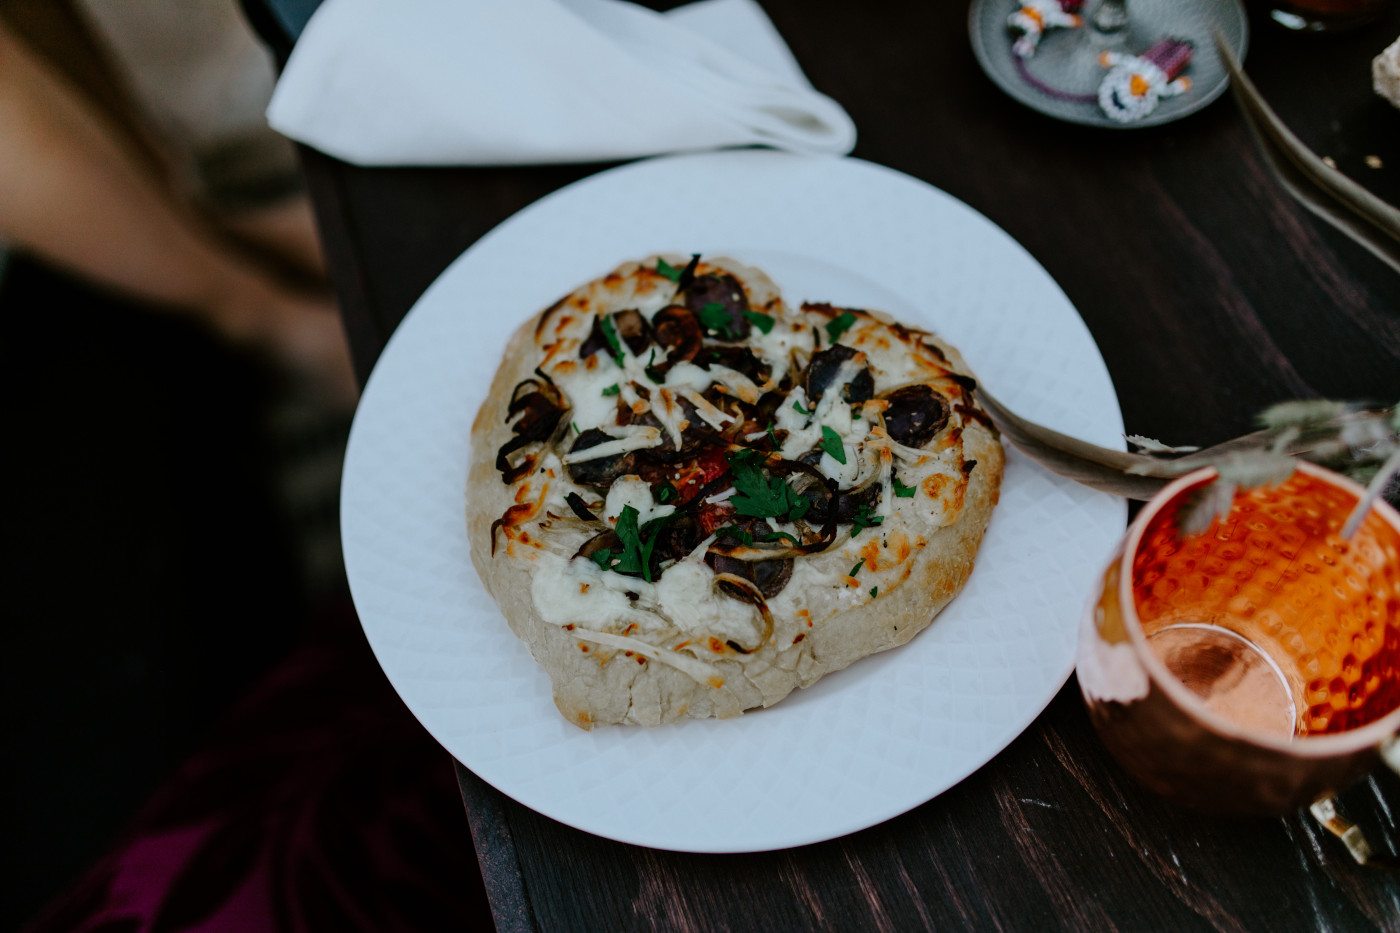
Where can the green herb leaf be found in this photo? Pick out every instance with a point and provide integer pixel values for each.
(831, 443)
(650, 369)
(839, 325)
(651, 532)
(864, 518)
(714, 317)
(574, 425)
(874, 591)
(665, 268)
(760, 496)
(903, 491)
(602, 557)
(637, 543)
(610, 335)
(735, 533)
(666, 493)
(772, 433)
(856, 569)
(762, 321)
(613, 389)
(779, 535)
(797, 407)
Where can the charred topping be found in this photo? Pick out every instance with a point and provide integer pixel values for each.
(967, 383)
(688, 273)
(971, 412)
(579, 507)
(540, 408)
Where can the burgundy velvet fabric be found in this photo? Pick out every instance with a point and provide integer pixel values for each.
(318, 804)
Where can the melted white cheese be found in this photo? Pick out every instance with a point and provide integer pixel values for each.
(636, 492)
(626, 439)
(688, 596)
(684, 600)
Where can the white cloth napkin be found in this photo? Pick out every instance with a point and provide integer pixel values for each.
(496, 82)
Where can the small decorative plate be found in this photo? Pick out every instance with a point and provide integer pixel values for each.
(1067, 60)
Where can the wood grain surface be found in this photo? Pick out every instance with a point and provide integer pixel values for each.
(1210, 294)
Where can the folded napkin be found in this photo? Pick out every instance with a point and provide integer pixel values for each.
(495, 82)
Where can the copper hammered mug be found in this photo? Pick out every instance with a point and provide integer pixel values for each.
(1253, 668)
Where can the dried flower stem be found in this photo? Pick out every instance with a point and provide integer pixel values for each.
(1373, 492)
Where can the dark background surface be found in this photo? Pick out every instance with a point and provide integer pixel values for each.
(1211, 296)
(150, 574)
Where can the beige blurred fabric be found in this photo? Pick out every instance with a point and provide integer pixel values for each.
(203, 80)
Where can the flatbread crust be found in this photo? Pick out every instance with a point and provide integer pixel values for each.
(918, 558)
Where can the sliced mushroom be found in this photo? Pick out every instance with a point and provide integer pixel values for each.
(604, 539)
(633, 329)
(849, 504)
(770, 576)
(915, 415)
(678, 330)
(720, 290)
(600, 471)
(740, 359)
(825, 366)
(596, 342)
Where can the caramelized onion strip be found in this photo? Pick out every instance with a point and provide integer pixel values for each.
(748, 592)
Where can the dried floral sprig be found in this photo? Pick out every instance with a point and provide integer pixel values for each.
(1360, 442)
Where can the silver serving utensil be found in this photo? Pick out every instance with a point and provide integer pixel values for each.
(1132, 476)
(1140, 476)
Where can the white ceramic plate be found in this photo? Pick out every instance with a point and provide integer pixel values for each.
(862, 745)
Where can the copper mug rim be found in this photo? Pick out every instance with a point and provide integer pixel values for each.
(1304, 746)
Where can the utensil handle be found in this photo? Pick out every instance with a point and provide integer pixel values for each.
(1325, 811)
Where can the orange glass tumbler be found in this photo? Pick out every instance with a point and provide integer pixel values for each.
(1253, 668)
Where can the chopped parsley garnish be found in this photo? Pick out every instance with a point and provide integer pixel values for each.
(665, 268)
(831, 443)
(714, 317)
(856, 569)
(760, 496)
(612, 389)
(762, 321)
(839, 325)
(903, 491)
(650, 369)
(602, 557)
(797, 407)
(610, 335)
(735, 533)
(666, 493)
(574, 425)
(865, 518)
(874, 591)
(637, 543)
(779, 535)
(772, 433)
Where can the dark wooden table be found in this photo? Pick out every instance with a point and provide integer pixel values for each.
(1210, 294)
